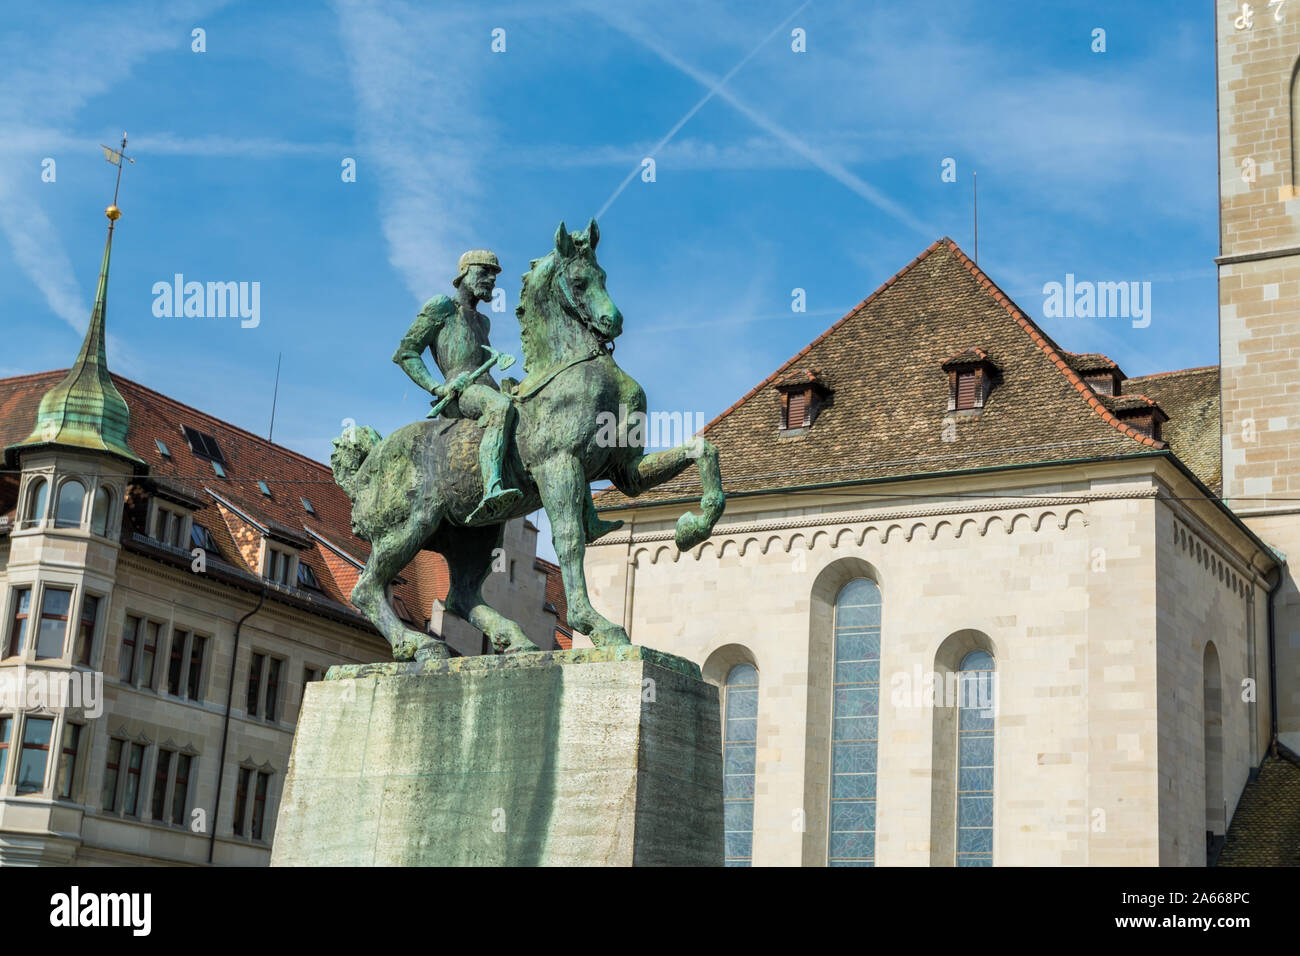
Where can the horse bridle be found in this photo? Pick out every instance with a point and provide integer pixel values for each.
(562, 275)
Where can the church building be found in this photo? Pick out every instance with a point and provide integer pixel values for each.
(980, 600)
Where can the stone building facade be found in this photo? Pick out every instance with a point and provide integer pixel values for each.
(169, 584)
(975, 599)
(1259, 302)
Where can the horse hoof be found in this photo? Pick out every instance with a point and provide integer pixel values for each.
(612, 636)
(433, 651)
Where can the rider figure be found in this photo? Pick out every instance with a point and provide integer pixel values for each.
(456, 332)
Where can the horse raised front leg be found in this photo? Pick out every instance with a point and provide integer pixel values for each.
(647, 471)
(564, 488)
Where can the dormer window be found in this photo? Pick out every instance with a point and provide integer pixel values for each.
(803, 396)
(1139, 413)
(168, 525)
(971, 377)
(280, 566)
(1104, 384)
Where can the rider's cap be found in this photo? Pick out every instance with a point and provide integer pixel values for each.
(475, 257)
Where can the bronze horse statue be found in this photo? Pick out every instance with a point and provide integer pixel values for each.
(414, 489)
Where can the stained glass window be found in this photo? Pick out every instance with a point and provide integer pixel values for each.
(854, 714)
(975, 760)
(739, 740)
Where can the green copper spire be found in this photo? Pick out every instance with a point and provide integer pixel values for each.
(85, 410)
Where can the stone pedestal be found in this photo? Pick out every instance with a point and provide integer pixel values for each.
(598, 756)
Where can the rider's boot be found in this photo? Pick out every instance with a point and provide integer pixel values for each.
(497, 499)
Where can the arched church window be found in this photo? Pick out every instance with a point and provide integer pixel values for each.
(739, 741)
(854, 715)
(36, 502)
(68, 512)
(99, 511)
(975, 760)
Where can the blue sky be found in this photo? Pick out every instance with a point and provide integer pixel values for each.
(818, 170)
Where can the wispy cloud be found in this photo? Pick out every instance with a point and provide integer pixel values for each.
(420, 124)
(47, 80)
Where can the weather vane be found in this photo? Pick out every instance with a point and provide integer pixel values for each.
(115, 156)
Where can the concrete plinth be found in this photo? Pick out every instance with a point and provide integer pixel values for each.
(597, 756)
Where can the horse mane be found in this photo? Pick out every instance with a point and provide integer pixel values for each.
(524, 311)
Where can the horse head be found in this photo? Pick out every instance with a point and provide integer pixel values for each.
(567, 284)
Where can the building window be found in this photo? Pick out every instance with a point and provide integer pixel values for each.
(966, 389)
(185, 664)
(148, 653)
(86, 629)
(139, 651)
(99, 510)
(272, 686)
(263, 686)
(67, 514)
(855, 710)
(18, 627)
(68, 761)
(201, 537)
(259, 804)
(277, 566)
(259, 783)
(241, 800)
(108, 796)
(35, 754)
(134, 770)
(176, 662)
(168, 526)
(36, 503)
(6, 728)
(126, 656)
(306, 506)
(739, 743)
(55, 603)
(181, 789)
(158, 804)
(203, 444)
(254, 697)
(193, 686)
(975, 760)
(307, 577)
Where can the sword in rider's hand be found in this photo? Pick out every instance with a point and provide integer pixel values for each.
(502, 360)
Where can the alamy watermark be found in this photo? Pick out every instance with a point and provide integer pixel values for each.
(1098, 300)
(654, 430)
(23, 689)
(211, 300)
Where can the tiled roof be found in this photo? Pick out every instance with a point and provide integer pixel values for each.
(1265, 829)
(887, 416)
(1091, 363)
(799, 376)
(971, 356)
(556, 600)
(248, 459)
(1190, 397)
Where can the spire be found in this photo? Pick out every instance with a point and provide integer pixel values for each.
(85, 410)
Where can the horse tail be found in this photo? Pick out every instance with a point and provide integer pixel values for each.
(350, 451)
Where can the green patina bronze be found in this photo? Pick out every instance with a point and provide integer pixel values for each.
(85, 410)
(499, 452)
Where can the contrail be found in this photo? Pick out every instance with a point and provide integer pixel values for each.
(833, 169)
(696, 108)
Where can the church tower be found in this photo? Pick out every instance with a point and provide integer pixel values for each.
(1258, 51)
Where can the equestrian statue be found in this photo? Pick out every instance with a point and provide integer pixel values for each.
(489, 453)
